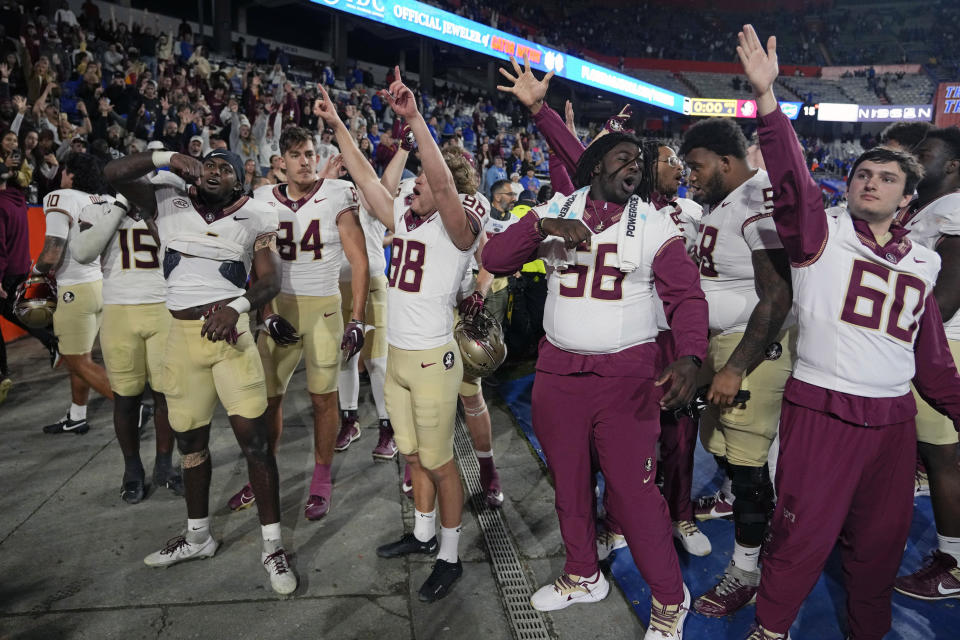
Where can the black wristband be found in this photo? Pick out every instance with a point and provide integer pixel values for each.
(539, 227)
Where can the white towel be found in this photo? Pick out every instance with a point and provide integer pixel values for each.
(554, 253)
(630, 234)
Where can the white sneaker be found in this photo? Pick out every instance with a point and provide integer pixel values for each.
(666, 621)
(694, 541)
(282, 578)
(608, 542)
(568, 590)
(178, 549)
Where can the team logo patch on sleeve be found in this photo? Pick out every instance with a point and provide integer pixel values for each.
(448, 360)
(181, 203)
(68, 296)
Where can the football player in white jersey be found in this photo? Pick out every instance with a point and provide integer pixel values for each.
(745, 275)
(135, 324)
(436, 230)
(211, 235)
(611, 258)
(79, 287)
(933, 220)
(318, 226)
(374, 353)
(868, 323)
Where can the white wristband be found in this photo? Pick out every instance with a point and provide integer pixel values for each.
(162, 159)
(122, 200)
(241, 305)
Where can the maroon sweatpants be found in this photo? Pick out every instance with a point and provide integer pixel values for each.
(678, 443)
(620, 417)
(837, 480)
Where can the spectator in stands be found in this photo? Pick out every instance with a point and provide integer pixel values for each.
(495, 173)
(385, 151)
(530, 183)
(515, 183)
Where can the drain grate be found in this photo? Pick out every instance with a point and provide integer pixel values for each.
(515, 589)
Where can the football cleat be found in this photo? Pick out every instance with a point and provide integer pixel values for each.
(66, 425)
(608, 542)
(567, 590)
(282, 578)
(386, 447)
(317, 507)
(719, 505)
(243, 499)
(736, 589)
(178, 550)
(757, 632)
(939, 579)
(349, 431)
(406, 545)
(666, 620)
(132, 491)
(407, 486)
(691, 538)
(168, 479)
(441, 580)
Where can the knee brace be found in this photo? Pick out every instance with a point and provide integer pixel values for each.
(754, 501)
(191, 460)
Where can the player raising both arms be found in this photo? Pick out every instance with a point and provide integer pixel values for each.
(211, 235)
(868, 324)
(436, 230)
(598, 386)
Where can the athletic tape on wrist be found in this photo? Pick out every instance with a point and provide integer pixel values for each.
(240, 305)
(162, 159)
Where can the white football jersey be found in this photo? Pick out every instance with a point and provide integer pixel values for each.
(686, 214)
(729, 234)
(373, 233)
(130, 261)
(939, 218)
(308, 238)
(592, 307)
(859, 313)
(206, 254)
(71, 202)
(425, 273)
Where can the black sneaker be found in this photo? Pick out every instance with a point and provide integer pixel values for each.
(132, 491)
(408, 544)
(146, 412)
(66, 425)
(441, 580)
(168, 479)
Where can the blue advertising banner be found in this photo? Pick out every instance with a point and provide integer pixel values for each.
(438, 24)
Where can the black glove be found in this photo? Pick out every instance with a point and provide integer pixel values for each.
(282, 332)
(699, 403)
(352, 341)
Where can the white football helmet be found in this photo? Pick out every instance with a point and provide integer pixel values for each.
(481, 343)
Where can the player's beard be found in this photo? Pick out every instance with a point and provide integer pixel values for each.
(711, 193)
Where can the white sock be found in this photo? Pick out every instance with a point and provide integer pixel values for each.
(348, 384)
(198, 529)
(745, 558)
(727, 489)
(377, 368)
(449, 541)
(483, 454)
(78, 411)
(424, 525)
(271, 537)
(950, 546)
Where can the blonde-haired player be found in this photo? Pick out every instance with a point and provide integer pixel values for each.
(436, 230)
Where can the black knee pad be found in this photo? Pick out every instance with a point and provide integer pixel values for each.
(754, 501)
